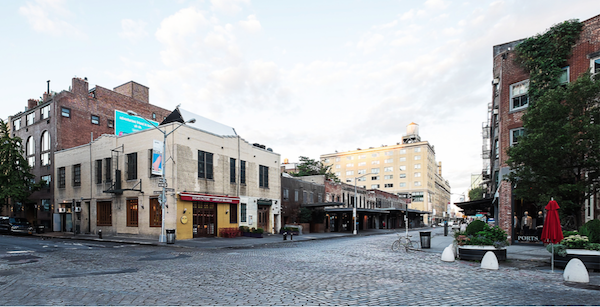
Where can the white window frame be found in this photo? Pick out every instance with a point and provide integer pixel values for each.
(402, 159)
(388, 177)
(375, 186)
(402, 184)
(362, 163)
(362, 171)
(418, 157)
(30, 118)
(389, 161)
(45, 112)
(402, 175)
(512, 139)
(512, 96)
(418, 149)
(375, 170)
(402, 151)
(568, 70)
(350, 165)
(417, 174)
(402, 167)
(418, 166)
(388, 169)
(349, 173)
(388, 185)
(593, 67)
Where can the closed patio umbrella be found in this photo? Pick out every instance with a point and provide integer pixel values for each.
(552, 232)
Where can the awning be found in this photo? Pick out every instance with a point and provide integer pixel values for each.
(358, 210)
(264, 202)
(322, 204)
(474, 206)
(187, 196)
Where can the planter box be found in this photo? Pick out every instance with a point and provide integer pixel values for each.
(591, 259)
(252, 234)
(476, 252)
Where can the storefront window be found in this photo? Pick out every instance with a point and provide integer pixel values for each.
(528, 223)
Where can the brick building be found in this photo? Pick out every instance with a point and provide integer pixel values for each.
(510, 83)
(64, 120)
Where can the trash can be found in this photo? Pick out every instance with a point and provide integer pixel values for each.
(170, 236)
(425, 239)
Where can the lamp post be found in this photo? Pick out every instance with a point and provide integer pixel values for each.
(356, 203)
(163, 196)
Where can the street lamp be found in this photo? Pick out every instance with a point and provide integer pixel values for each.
(356, 202)
(163, 196)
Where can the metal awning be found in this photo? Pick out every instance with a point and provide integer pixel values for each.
(358, 210)
(471, 207)
(322, 204)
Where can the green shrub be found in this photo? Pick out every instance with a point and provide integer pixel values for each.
(495, 236)
(593, 246)
(244, 229)
(575, 241)
(591, 229)
(559, 249)
(258, 230)
(567, 233)
(475, 227)
(305, 215)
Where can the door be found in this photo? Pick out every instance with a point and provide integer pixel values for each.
(263, 218)
(204, 219)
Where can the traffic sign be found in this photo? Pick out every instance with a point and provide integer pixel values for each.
(162, 185)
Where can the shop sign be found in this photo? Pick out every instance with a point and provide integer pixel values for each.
(528, 238)
(209, 198)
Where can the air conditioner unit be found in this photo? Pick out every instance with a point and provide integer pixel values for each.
(77, 209)
(62, 210)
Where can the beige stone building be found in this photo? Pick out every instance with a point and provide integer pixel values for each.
(408, 167)
(215, 180)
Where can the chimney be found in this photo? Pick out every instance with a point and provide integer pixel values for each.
(80, 86)
(31, 103)
(134, 90)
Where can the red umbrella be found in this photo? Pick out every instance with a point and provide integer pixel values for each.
(552, 232)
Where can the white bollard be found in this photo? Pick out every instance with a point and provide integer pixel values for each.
(451, 246)
(489, 261)
(448, 254)
(576, 271)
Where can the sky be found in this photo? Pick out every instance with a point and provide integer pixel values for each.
(304, 78)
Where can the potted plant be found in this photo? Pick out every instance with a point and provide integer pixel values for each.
(252, 232)
(583, 245)
(478, 239)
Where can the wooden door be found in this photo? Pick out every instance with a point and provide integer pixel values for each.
(263, 218)
(205, 222)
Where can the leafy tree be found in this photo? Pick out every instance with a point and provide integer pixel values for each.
(310, 167)
(476, 193)
(559, 154)
(16, 181)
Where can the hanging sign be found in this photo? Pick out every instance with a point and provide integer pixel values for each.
(157, 157)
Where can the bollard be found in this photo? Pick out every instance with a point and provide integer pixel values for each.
(445, 228)
(284, 236)
(291, 236)
(100, 233)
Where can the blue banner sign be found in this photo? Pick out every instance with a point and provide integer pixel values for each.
(125, 123)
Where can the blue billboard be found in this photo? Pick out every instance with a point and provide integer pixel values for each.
(125, 123)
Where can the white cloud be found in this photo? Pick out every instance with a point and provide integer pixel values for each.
(252, 25)
(369, 42)
(46, 16)
(437, 4)
(229, 7)
(385, 26)
(133, 30)
(178, 33)
(408, 15)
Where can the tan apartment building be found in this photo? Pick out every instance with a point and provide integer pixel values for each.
(408, 167)
(214, 180)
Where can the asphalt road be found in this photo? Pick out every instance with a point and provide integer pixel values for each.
(343, 271)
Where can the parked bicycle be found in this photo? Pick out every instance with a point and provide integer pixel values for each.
(405, 243)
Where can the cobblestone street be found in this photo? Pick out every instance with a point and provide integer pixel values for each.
(343, 271)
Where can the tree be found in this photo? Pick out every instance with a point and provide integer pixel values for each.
(310, 167)
(16, 180)
(476, 193)
(559, 154)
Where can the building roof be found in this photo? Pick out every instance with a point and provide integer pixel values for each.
(202, 123)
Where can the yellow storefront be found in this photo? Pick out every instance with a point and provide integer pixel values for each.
(205, 215)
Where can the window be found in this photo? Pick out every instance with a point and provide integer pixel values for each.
(99, 171)
(48, 180)
(233, 214)
(518, 95)
(45, 157)
(295, 195)
(418, 149)
(403, 175)
(362, 171)
(362, 179)
(104, 213)
(110, 123)
(515, 134)
(362, 156)
(417, 166)
(362, 163)
(374, 186)
(319, 198)
(375, 170)
(564, 75)
(30, 150)
(242, 172)
(153, 115)
(402, 151)
(374, 177)
(349, 158)
(374, 162)
(107, 169)
(45, 205)
(338, 166)
(375, 154)
(304, 197)
(155, 213)
(17, 124)
(389, 161)
(388, 169)
(402, 184)
(286, 194)
(417, 174)
(77, 175)
(417, 196)
(389, 153)
(61, 177)
(338, 174)
(349, 180)
(132, 212)
(65, 112)
(242, 213)
(418, 157)
(263, 176)
(402, 159)
(337, 159)
(388, 185)
(417, 183)
(349, 173)
(30, 118)
(402, 167)
(388, 177)
(350, 165)
(132, 166)
(205, 165)
(595, 65)
(95, 120)
(231, 170)
(45, 112)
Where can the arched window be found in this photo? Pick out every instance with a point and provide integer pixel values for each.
(30, 151)
(45, 157)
